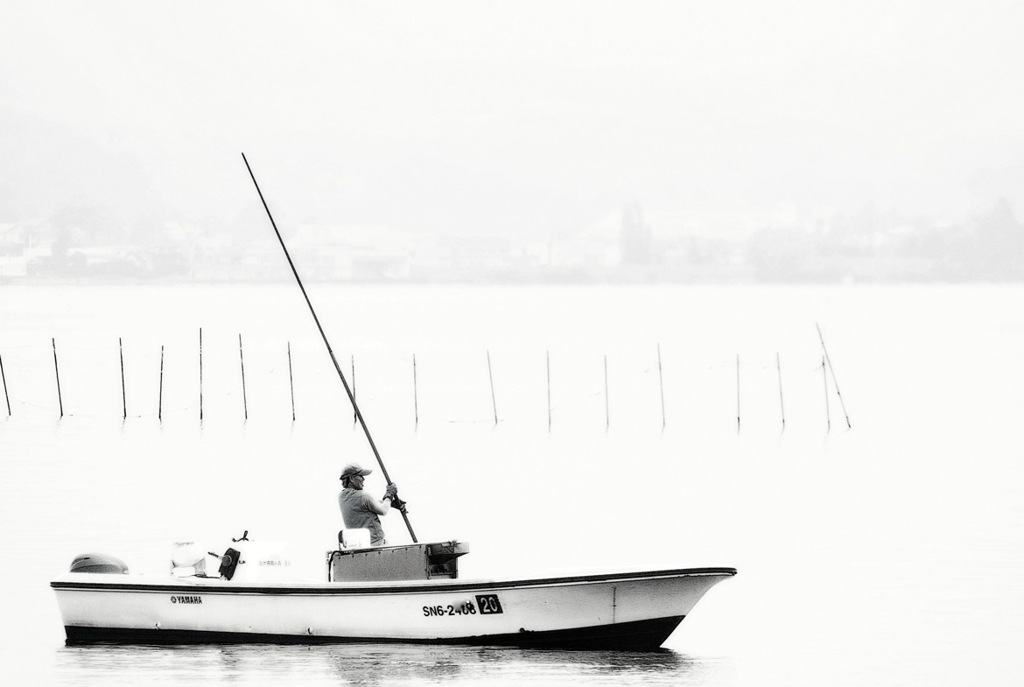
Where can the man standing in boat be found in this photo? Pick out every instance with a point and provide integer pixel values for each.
(359, 509)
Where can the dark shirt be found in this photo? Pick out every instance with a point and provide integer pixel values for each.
(360, 510)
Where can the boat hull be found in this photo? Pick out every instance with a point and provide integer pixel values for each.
(643, 635)
(635, 611)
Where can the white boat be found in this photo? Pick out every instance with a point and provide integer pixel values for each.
(406, 593)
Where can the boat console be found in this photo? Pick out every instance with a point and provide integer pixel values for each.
(389, 563)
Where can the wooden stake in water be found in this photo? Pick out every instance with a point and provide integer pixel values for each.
(548, 357)
(832, 370)
(4, 376)
(782, 405)
(124, 397)
(241, 361)
(607, 411)
(661, 386)
(160, 400)
(56, 371)
(737, 393)
(291, 383)
(490, 376)
(200, 374)
(415, 393)
(824, 377)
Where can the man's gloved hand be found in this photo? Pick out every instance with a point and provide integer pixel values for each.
(392, 493)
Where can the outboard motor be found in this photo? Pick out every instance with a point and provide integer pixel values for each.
(98, 563)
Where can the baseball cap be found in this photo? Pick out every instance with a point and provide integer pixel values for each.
(353, 469)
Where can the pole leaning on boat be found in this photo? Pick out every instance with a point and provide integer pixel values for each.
(337, 367)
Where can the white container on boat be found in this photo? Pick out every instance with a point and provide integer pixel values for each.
(187, 556)
(356, 538)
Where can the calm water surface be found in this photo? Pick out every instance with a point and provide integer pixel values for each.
(890, 553)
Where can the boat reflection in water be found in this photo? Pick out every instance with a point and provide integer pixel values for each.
(373, 664)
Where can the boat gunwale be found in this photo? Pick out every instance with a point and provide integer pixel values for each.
(217, 586)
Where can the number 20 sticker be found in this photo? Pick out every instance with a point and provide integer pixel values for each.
(488, 603)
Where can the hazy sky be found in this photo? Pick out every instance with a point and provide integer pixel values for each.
(528, 117)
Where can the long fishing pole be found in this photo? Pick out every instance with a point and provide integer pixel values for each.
(341, 375)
